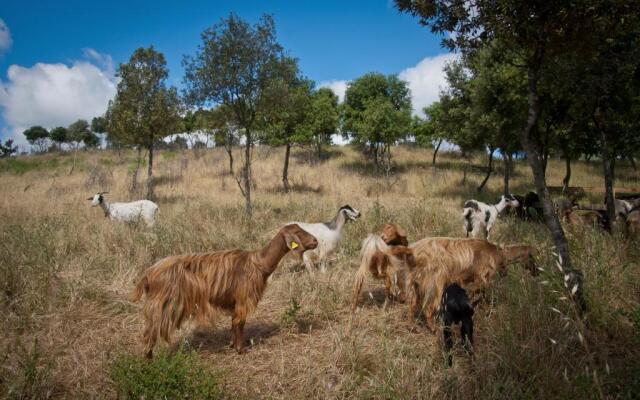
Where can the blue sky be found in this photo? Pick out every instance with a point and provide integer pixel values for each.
(60, 55)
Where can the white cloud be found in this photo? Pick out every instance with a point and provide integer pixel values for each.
(426, 80)
(56, 94)
(5, 37)
(339, 87)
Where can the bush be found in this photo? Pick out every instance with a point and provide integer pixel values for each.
(181, 375)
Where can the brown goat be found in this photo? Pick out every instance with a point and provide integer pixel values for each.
(632, 223)
(468, 262)
(180, 287)
(389, 263)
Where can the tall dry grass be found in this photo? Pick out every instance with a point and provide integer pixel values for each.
(66, 271)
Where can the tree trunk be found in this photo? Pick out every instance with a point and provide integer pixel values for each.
(75, 155)
(247, 173)
(150, 174)
(489, 170)
(608, 164)
(573, 277)
(285, 171)
(567, 176)
(134, 176)
(508, 162)
(435, 152)
(229, 149)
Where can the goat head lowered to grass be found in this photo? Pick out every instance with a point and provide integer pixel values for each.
(180, 287)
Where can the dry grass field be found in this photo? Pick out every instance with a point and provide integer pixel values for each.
(68, 330)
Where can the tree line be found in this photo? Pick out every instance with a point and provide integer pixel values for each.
(541, 77)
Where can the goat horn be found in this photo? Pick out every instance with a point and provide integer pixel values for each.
(103, 192)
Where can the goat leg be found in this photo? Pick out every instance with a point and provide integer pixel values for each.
(237, 331)
(447, 335)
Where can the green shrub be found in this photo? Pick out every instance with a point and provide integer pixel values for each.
(181, 375)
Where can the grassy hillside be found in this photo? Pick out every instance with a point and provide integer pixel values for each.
(68, 330)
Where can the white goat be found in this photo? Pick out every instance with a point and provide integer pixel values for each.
(480, 217)
(127, 212)
(328, 234)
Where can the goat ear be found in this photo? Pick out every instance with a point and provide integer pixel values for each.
(291, 241)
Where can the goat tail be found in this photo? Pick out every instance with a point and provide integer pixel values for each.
(370, 246)
(141, 288)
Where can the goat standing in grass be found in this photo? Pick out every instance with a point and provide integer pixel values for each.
(456, 308)
(127, 212)
(389, 263)
(468, 262)
(329, 235)
(480, 217)
(180, 287)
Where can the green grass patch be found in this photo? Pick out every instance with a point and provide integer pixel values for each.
(181, 375)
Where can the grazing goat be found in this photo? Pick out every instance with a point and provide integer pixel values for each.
(480, 217)
(180, 287)
(468, 262)
(389, 263)
(529, 206)
(329, 235)
(127, 212)
(632, 222)
(456, 308)
(587, 218)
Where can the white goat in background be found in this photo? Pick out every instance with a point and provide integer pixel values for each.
(480, 217)
(127, 212)
(329, 235)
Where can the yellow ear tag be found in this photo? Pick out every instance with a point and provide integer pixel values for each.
(294, 245)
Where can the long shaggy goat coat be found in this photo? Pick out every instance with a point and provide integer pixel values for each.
(197, 285)
(389, 263)
(468, 262)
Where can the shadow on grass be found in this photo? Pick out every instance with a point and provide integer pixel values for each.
(310, 157)
(296, 188)
(219, 338)
(169, 199)
(167, 180)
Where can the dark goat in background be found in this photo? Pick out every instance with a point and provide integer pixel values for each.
(456, 308)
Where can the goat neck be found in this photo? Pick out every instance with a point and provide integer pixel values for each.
(337, 222)
(271, 254)
(501, 205)
(105, 208)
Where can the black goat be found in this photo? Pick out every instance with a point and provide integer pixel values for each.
(529, 206)
(456, 308)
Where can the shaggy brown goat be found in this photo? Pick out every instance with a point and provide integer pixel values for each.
(389, 263)
(468, 262)
(180, 287)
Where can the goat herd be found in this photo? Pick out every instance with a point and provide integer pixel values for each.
(431, 274)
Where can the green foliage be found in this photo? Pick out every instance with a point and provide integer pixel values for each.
(234, 66)
(287, 103)
(37, 137)
(322, 118)
(77, 131)
(290, 314)
(7, 148)
(181, 375)
(144, 109)
(377, 112)
(59, 135)
(99, 125)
